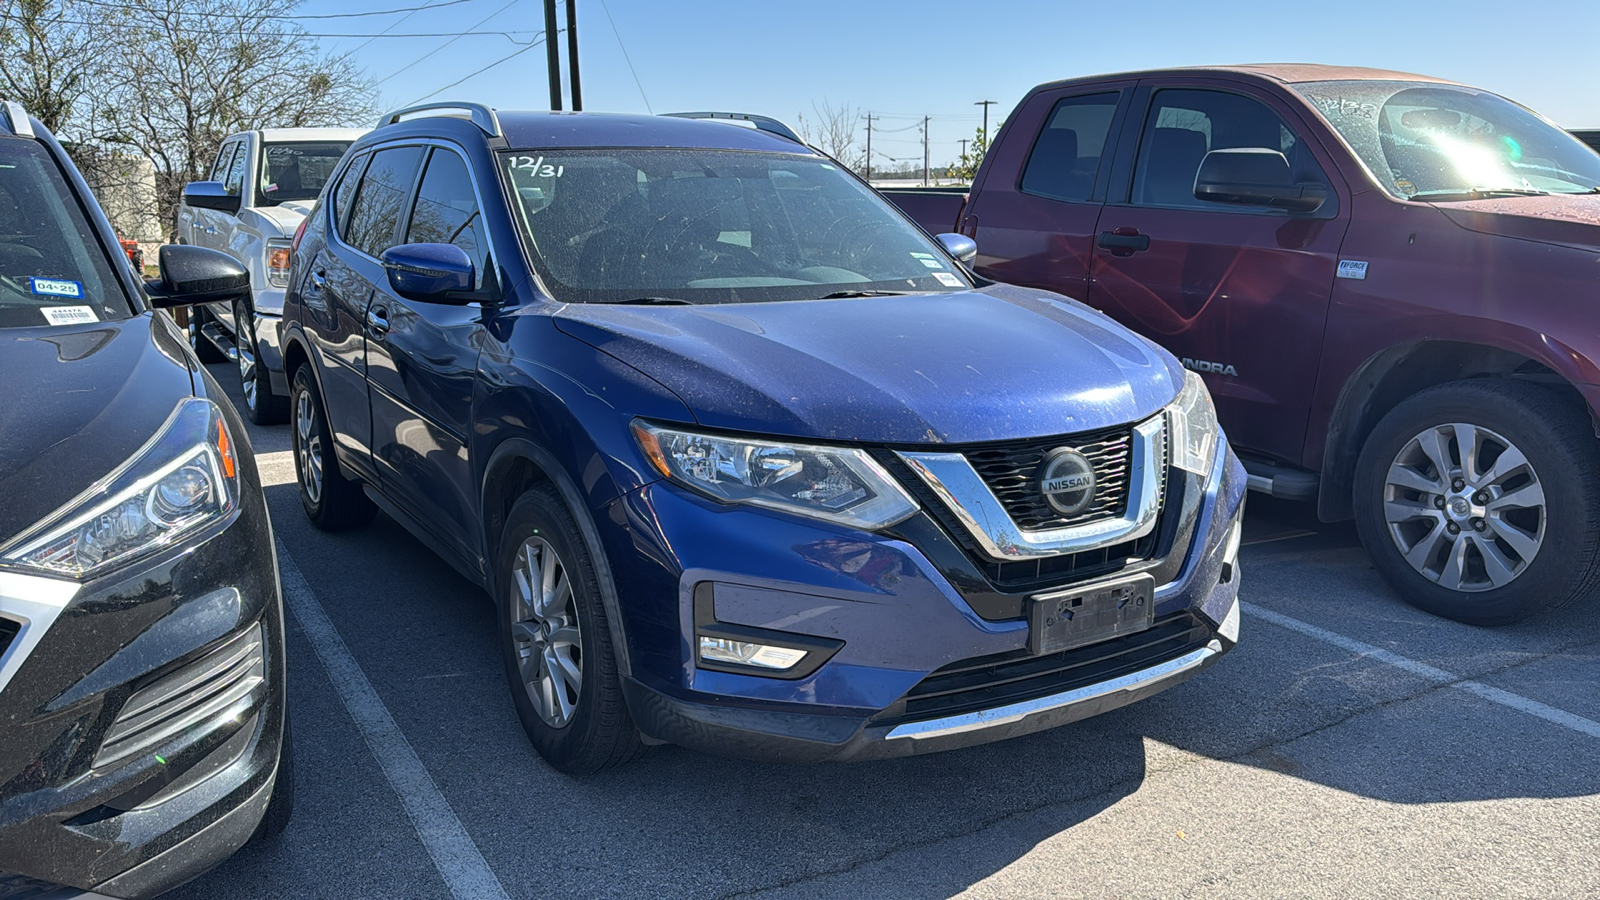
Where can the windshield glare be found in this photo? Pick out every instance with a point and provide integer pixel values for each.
(53, 269)
(1419, 139)
(713, 226)
(297, 171)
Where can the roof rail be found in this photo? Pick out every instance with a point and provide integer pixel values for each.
(764, 123)
(481, 116)
(18, 118)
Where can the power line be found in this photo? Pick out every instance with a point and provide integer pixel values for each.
(445, 44)
(626, 58)
(135, 7)
(290, 34)
(392, 26)
(513, 55)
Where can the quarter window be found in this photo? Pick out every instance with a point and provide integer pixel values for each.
(344, 193)
(446, 211)
(376, 215)
(1183, 126)
(219, 169)
(1066, 158)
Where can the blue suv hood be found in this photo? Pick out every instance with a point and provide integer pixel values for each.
(994, 364)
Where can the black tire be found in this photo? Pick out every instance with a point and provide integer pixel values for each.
(280, 808)
(600, 733)
(261, 405)
(206, 351)
(332, 502)
(1551, 430)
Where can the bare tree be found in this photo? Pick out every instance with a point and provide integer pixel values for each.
(54, 53)
(833, 131)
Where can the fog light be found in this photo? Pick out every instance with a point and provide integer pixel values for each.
(745, 653)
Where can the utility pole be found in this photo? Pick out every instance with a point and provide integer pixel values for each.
(869, 147)
(963, 147)
(985, 104)
(924, 151)
(572, 53)
(552, 46)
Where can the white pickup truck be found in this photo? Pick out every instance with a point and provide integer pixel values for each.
(262, 185)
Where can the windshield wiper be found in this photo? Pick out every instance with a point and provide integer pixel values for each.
(1477, 194)
(841, 295)
(648, 301)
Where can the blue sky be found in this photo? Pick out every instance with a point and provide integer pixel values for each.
(901, 60)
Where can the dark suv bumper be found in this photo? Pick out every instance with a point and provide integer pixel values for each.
(143, 730)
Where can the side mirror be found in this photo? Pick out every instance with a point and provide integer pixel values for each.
(1254, 176)
(191, 275)
(432, 273)
(210, 195)
(960, 246)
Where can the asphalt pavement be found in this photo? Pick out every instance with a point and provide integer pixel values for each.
(1349, 747)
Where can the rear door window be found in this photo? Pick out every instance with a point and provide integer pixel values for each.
(446, 211)
(1184, 125)
(375, 218)
(1067, 157)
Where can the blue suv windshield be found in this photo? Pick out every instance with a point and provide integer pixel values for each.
(53, 269)
(713, 226)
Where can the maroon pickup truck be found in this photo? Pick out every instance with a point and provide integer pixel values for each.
(1391, 284)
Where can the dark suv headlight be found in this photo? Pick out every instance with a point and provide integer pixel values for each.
(183, 480)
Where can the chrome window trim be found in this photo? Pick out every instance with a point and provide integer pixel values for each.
(34, 602)
(960, 487)
(1016, 712)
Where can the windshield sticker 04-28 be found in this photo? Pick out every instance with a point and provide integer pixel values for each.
(55, 287)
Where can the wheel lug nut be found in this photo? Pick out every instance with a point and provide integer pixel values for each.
(1438, 502)
(1453, 528)
(1480, 497)
(1478, 524)
(1457, 485)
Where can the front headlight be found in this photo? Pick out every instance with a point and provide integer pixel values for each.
(184, 479)
(1194, 426)
(836, 484)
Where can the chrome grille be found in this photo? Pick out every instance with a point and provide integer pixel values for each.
(208, 692)
(1011, 470)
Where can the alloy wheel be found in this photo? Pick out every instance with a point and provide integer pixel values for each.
(544, 629)
(247, 356)
(1465, 507)
(308, 446)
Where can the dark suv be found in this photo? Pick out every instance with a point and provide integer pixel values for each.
(143, 736)
(747, 461)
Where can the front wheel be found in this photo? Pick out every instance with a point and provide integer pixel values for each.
(331, 501)
(1476, 500)
(556, 641)
(261, 404)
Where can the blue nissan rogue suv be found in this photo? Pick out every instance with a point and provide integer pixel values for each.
(747, 462)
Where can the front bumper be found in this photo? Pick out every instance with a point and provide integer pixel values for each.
(131, 760)
(908, 617)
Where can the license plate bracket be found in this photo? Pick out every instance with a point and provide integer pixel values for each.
(1088, 614)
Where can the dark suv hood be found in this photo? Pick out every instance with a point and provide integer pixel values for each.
(1568, 220)
(77, 403)
(1000, 363)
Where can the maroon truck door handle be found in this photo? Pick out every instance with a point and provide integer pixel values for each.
(1124, 241)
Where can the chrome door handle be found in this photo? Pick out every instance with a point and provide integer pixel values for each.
(319, 278)
(378, 321)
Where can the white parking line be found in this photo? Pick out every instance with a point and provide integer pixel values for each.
(457, 858)
(1492, 694)
(276, 467)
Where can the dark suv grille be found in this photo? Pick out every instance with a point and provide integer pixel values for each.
(992, 681)
(8, 631)
(1012, 471)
